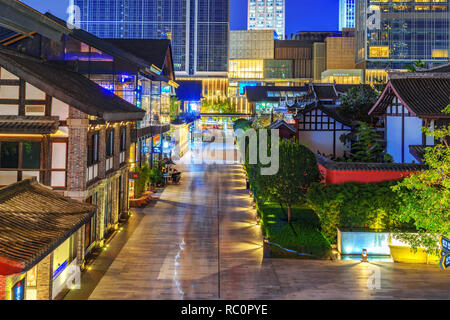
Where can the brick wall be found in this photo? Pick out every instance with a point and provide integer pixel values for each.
(77, 150)
(44, 278)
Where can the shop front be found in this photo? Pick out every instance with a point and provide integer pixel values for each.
(46, 264)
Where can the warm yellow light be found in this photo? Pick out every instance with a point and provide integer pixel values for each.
(379, 52)
(440, 53)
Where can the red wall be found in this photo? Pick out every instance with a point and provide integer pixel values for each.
(8, 266)
(338, 176)
(2, 287)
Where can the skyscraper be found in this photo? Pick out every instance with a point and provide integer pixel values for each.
(267, 15)
(392, 34)
(198, 28)
(346, 14)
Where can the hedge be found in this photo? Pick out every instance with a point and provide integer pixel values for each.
(302, 235)
(354, 205)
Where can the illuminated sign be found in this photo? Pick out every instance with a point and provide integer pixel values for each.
(138, 96)
(445, 253)
(134, 176)
(243, 85)
(59, 270)
(445, 244)
(157, 150)
(18, 290)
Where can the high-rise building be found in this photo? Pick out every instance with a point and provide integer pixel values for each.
(267, 15)
(391, 34)
(198, 28)
(346, 14)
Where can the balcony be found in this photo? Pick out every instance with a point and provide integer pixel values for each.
(149, 131)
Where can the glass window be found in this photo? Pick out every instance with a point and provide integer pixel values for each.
(31, 155)
(9, 155)
(110, 143)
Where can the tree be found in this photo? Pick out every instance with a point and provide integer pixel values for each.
(174, 107)
(140, 185)
(221, 105)
(242, 124)
(417, 64)
(298, 170)
(425, 195)
(357, 102)
(366, 145)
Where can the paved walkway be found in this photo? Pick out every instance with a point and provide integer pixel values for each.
(200, 241)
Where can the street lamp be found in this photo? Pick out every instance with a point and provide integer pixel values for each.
(364, 255)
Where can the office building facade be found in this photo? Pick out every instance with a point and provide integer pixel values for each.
(267, 15)
(346, 14)
(198, 28)
(391, 34)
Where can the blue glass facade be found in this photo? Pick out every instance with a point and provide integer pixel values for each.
(393, 33)
(198, 28)
(346, 14)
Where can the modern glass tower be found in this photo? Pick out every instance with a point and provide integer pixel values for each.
(198, 28)
(346, 14)
(267, 15)
(391, 34)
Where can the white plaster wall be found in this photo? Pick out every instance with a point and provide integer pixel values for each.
(6, 75)
(58, 155)
(394, 137)
(9, 92)
(9, 110)
(33, 93)
(413, 136)
(60, 109)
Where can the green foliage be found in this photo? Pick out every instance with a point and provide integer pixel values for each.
(264, 120)
(354, 205)
(297, 170)
(302, 235)
(242, 124)
(417, 64)
(174, 107)
(357, 102)
(366, 145)
(156, 175)
(221, 105)
(425, 196)
(141, 184)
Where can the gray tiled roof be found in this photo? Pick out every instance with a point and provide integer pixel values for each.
(423, 94)
(35, 220)
(69, 87)
(361, 166)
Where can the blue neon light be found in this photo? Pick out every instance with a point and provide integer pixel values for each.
(60, 269)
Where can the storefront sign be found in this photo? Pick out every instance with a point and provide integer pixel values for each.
(134, 176)
(445, 244)
(156, 150)
(18, 290)
(445, 253)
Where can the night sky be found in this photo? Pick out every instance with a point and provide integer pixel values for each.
(300, 14)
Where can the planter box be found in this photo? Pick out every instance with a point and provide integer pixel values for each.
(404, 254)
(353, 242)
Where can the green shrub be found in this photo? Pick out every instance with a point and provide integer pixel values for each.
(302, 235)
(354, 205)
(141, 184)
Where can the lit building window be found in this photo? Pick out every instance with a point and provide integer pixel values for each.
(440, 53)
(379, 52)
